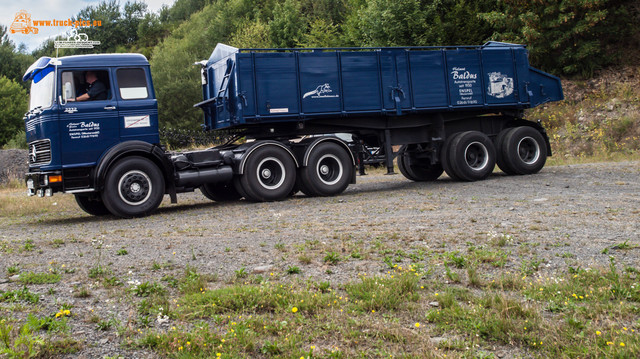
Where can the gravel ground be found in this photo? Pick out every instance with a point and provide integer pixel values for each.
(13, 164)
(564, 216)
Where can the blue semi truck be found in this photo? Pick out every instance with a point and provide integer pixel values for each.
(458, 110)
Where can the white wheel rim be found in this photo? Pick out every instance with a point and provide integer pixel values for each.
(326, 169)
(131, 184)
(476, 156)
(528, 150)
(271, 170)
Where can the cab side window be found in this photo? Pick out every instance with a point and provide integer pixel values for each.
(132, 84)
(78, 83)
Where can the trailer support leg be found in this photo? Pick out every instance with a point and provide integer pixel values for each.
(388, 152)
(361, 149)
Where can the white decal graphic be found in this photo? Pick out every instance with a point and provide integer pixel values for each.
(83, 130)
(465, 81)
(137, 121)
(279, 110)
(75, 40)
(71, 109)
(321, 91)
(500, 86)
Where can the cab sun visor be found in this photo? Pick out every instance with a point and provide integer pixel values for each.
(38, 70)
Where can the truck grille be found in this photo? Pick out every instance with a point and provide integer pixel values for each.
(39, 152)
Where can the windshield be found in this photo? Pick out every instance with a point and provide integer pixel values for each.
(42, 92)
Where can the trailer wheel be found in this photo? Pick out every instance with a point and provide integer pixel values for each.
(403, 167)
(220, 192)
(500, 152)
(269, 175)
(415, 169)
(472, 156)
(133, 187)
(93, 205)
(328, 171)
(444, 157)
(302, 187)
(525, 150)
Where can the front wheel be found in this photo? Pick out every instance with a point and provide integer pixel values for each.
(93, 205)
(134, 187)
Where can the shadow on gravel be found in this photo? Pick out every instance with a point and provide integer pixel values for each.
(381, 187)
(371, 187)
(85, 218)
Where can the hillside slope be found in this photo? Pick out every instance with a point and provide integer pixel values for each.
(599, 118)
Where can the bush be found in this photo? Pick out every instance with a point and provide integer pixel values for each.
(13, 105)
(18, 141)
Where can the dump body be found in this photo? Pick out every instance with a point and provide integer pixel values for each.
(244, 87)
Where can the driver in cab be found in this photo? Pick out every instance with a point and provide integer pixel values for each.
(95, 90)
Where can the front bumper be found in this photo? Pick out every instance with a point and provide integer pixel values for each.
(43, 183)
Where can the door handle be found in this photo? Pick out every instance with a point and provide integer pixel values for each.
(109, 107)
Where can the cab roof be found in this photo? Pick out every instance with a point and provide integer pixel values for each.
(85, 61)
(96, 60)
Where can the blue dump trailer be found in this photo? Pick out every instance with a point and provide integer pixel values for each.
(458, 110)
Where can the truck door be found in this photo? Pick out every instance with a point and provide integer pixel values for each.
(138, 108)
(87, 128)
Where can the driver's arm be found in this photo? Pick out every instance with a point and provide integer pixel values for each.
(83, 97)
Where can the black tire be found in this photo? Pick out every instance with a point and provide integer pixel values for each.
(302, 187)
(402, 165)
(525, 150)
(134, 187)
(220, 192)
(500, 149)
(444, 156)
(92, 204)
(238, 187)
(415, 169)
(269, 174)
(472, 156)
(328, 171)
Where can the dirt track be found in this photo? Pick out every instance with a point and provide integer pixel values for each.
(564, 216)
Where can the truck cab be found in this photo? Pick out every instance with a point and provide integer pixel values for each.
(68, 139)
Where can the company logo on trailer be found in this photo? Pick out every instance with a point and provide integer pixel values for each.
(500, 86)
(321, 91)
(461, 73)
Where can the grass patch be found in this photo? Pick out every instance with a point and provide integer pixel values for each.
(18, 295)
(15, 204)
(39, 278)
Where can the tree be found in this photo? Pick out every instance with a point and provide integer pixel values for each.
(252, 34)
(288, 25)
(571, 36)
(321, 34)
(330, 11)
(456, 22)
(176, 80)
(14, 61)
(13, 105)
(386, 23)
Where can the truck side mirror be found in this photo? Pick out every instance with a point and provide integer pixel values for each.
(68, 92)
